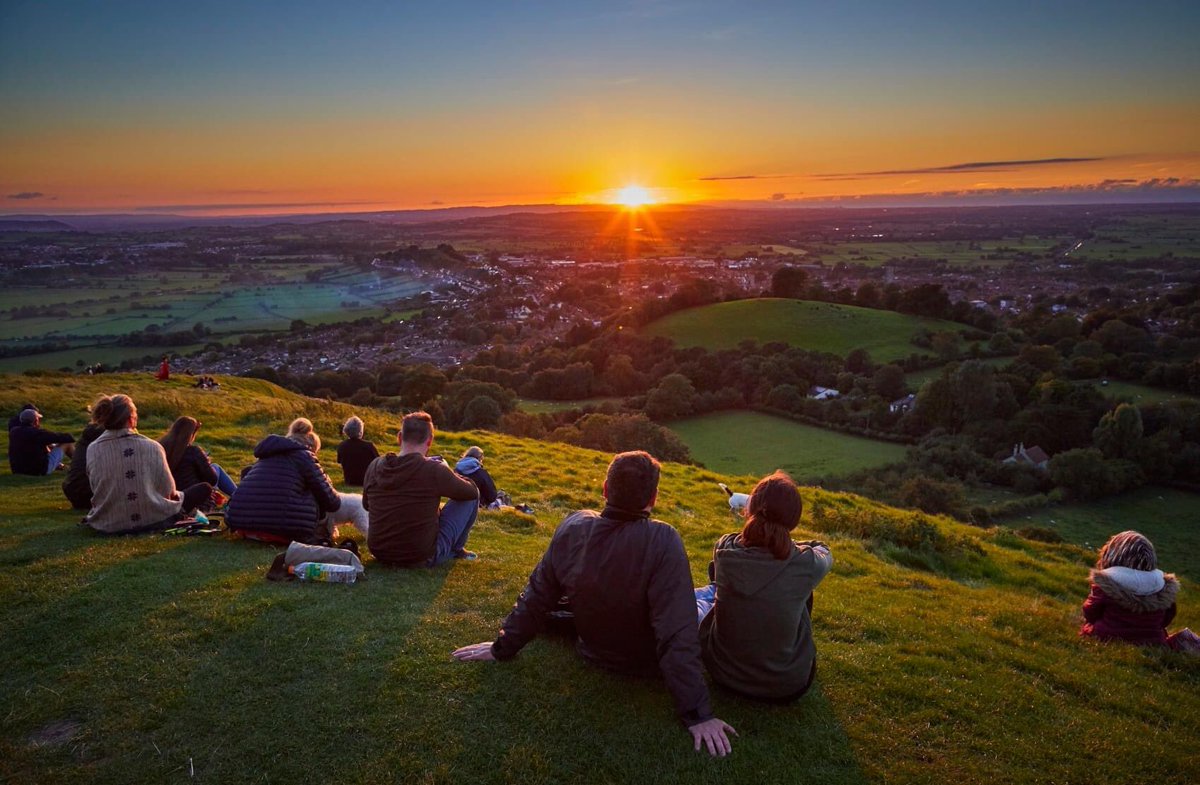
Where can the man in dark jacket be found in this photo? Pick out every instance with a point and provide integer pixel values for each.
(402, 492)
(34, 450)
(355, 453)
(77, 488)
(627, 580)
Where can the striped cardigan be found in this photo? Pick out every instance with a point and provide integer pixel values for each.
(132, 488)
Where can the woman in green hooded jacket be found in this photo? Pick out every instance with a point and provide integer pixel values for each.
(756, 618)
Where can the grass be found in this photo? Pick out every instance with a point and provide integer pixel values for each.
(818, 326)
(534, 406)
(954, 253)
(151, 659)
(752, 443)
(1170, 518)
(1140, 393)
(918, 378)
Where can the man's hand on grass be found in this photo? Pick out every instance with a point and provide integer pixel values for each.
(476, 651)
(712, 734)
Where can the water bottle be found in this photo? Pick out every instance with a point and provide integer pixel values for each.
(329, 573)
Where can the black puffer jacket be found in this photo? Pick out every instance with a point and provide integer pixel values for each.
(285, 493)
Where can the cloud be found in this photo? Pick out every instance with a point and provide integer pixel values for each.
(29, 195)
(778, 197)
(437, 202)
(971, 166)
(711, 178)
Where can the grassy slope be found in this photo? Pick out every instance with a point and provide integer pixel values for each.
(819, 326)
(175, 655)
(754, 443)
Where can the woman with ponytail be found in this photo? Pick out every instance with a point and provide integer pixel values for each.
(132, 487)
(756, 618)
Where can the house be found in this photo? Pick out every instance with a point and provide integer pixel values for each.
(901, 405)
(1032, 456)
(823, 393)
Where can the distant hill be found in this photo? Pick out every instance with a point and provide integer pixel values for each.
(33, 225)
(947, 652)
(818, 326)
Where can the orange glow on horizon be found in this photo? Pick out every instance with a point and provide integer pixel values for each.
(633, 196)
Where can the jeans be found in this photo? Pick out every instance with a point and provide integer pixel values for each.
(54, 459)
(454, 525)
(225, 483)
(706, 598)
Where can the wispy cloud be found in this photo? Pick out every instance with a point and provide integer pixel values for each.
(715, 177)
(25, 195)
(971, 166)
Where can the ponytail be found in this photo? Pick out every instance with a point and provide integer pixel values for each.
(773, 511)
(113, 412)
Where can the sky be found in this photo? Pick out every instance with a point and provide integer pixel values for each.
(303, 106)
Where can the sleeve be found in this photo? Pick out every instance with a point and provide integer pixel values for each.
(341, 453)
(452, 486)
(368, 482)
(49, 437)
(318, 482)
(1169, 616)
(528, 616)
(673, 617)
(822, 559)
(1093, 606)
(204, 467)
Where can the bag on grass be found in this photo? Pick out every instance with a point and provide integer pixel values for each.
(299, 553)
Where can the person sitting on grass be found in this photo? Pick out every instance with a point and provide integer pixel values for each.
(401, 493)
(470, 465)
(132, 487)
(626, 578)
(35, 451)
(190, 464)
(15, 420)
(1131, 599)
(756, 618)
(355, 453)
(285, 495)
(76, 487)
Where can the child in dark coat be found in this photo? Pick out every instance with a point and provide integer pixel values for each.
(1131, 599)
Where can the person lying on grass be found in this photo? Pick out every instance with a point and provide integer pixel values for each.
(627, 580)
(756, 617)
(1131, 599)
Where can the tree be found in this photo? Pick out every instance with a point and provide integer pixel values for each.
(858, 362)
(947, 345)
(1120, 431)
(482, 412)
(789, 281)
(1083, 473)
(423, 383)
(889, 382)
(673, 397)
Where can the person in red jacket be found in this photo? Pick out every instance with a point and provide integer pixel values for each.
(1130, 598)
(164, 370)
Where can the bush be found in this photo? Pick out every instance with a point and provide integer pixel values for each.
(1040, 534)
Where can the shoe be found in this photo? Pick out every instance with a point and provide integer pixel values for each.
(467, 555)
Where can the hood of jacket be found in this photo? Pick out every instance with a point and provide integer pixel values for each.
(393, 470)
(116, 434)
(276, 445)
(750, 571)
(467, 465)
(1123, 590)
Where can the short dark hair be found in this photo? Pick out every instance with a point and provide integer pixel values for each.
(416, 428)
(632, 480)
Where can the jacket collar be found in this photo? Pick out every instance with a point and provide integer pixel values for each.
(119, 433)
(618, 514)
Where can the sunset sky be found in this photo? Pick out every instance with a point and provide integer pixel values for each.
(307, 106)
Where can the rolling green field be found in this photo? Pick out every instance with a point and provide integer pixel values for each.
(818, 326)
(152, 659)
(1170, 518)
(752, 443)
(1140, 393)
(98, 309)
(956, 253)
(1143, 237)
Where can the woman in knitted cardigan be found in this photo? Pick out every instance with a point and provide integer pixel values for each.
(132, 488)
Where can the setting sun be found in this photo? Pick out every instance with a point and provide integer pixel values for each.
(633, 196)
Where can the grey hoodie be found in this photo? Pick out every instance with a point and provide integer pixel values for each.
(758, 638)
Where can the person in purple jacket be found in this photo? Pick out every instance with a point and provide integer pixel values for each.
(1130, 598)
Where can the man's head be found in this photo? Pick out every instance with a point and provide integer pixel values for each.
(353, 428)
(30, 417)
(416, 432)
(632, 481)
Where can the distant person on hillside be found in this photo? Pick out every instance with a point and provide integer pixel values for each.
(355, 453)
(1131, 599)
(402, 493)
(626, 579)
(470, 465)
(189, 463)
(285, 495)
(164, 370)
(756, 617)
(132, 487)
(32, 449)
(77, 488)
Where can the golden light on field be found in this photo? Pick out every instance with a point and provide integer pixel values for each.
(633, 196)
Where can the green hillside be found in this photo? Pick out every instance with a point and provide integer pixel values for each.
(947, 653)
(826, 327)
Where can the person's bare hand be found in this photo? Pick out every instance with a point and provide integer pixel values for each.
(712, 734)
(476, 651)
